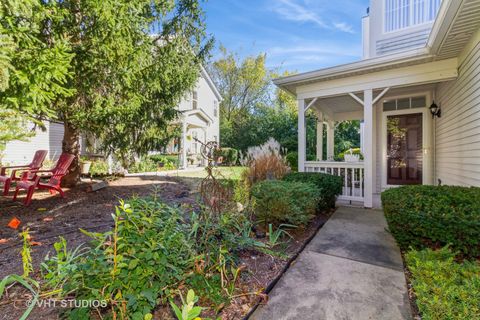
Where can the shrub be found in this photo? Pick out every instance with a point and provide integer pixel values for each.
(329, 186)
(169, 162)
(99, 168)
(229, 155)
(144, 165)
(278, 201)
(292, 160)
(444, 288)
(265, 162)
(422, 216)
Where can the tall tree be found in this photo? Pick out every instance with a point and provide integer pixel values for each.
(124, 82)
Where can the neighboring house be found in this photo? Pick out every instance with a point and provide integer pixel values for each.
(200, 118)
(418, 56)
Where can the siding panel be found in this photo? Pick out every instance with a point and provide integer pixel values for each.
(458, 130)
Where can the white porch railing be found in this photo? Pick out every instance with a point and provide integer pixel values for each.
(352, 173)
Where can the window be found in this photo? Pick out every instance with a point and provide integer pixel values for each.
(194, 99)
(215, 108)
(401, 14)
(404, 103)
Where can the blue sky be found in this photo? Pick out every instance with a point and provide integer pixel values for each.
(296, 35)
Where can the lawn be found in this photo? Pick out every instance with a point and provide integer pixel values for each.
(219, 172)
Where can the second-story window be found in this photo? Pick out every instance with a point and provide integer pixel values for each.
(215, 108)
(401, 14)
(194, 99)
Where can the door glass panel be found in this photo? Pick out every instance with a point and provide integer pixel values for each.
(404, 149)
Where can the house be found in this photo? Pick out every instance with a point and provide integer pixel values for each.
(199, 118)
(417, 91)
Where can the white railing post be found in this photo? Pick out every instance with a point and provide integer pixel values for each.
(369, 156)
(302, 138)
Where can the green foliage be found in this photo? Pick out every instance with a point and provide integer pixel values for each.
(58, 269)
(26, 254)
(188, 310)
(30, 284)
(347, 135)
(167, 162)
(444, 288)
(292, 160)
(341, 155)
(151, 250)
(99, 168)
(424, 216)
(329, 186)
(145, 164)
(278, 201)
(229, 156)
(275, 236)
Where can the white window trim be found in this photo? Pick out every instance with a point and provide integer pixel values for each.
(410, 26)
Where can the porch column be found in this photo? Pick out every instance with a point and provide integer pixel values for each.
(320, 137)
(369, 147)
(184, 145)
(330, 139)
(302, 137)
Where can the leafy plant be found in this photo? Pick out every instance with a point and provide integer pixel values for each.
(279, 201)
(26, 254)
(58, 269)
(274, 236)
(229, 156)
(444, 288)
(188, 310)
(144, 165)
(432, 216)
(29, 284)
(329, 186)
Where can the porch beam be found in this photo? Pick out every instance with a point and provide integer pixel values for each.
(430, 72)
(311, 103)
(356, 98)
(302, 138)
(380, 95)
(369, 147)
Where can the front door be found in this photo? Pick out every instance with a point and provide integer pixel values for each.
(404, 149)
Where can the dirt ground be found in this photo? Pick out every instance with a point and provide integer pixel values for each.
(49, 217)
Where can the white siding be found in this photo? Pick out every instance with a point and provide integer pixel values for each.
(21, 152)
(458, 130)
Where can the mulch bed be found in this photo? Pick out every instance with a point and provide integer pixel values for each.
(49, 217)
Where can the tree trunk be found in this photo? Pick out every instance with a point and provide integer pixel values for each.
(71, 145)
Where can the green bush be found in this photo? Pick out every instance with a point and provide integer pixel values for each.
(292, 160)
(426, 216)
(144, 165)
(229, 155)
(99, 168)
(329, 186)
(168, 162)
(444, 288)
(278, 201)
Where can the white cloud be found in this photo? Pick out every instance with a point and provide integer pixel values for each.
(292, 10)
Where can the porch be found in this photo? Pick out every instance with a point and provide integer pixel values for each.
(375, 98)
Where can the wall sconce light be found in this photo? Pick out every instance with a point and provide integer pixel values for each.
(435, 110)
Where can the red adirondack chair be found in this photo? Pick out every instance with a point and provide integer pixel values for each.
(34, 165)
(56, 174)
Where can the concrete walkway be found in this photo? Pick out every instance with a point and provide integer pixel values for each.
(352, 269)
